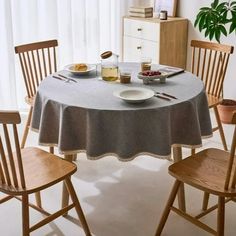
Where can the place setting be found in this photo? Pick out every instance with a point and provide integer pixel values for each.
(75, 71)
(80, 69)
(136, 95)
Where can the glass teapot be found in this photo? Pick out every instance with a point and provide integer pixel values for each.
(109, 66)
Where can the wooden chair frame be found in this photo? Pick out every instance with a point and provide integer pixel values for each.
(18, 178)
(210, 62)
(225, 190)
(37, 60)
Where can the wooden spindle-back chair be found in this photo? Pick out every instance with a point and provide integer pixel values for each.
(210, 62)
(211, 170)
(37, 60)
(29, 170)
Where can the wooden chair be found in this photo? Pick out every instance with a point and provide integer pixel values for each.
(30, 170)
(37, 61)
(210, 62)
(211, 170)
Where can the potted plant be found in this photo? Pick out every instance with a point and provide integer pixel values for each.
(216, 20)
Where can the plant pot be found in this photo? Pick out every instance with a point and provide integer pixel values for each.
(226, 109)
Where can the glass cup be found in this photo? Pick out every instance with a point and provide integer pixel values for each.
(125, 76)
(146, 64)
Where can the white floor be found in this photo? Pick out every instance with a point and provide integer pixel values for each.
(118, 199)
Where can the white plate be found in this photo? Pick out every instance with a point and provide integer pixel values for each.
(134, 95)
(74, 72)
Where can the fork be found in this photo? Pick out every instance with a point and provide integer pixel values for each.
(67, 78)
(57, 77)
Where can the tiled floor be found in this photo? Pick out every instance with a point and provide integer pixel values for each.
(119, 199)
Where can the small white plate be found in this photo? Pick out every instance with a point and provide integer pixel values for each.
(75, 72)
(134, 95)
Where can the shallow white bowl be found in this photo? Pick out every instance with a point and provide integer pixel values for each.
(134, 95)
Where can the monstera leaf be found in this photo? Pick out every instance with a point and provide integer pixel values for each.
(217, 20)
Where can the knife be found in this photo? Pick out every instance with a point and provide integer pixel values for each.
(165, 98)
(167, 95)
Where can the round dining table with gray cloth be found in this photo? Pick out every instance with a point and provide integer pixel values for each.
(87, 117)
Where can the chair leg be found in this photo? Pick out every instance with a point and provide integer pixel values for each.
(193, 151)
(221, 216)
(65, 194)
(26, 130)
(51, 150)
(167, 208)
(78, 208)
(177, 155)
(220, 128)
(38, 199)
(205, 201)
(25, 215)
(74, 157)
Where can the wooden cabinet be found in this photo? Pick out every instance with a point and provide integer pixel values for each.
(165, 41)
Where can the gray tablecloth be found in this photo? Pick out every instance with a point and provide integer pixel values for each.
(85, 116)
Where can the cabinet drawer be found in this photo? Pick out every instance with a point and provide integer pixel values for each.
(135, 49)
(142, 29)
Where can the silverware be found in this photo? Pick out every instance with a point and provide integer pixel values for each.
(167, 95)
(67, 78)
(56, 77)
(165, 98)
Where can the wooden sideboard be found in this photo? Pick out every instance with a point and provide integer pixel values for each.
(165, 41)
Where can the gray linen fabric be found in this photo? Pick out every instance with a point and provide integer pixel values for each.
(85, 116)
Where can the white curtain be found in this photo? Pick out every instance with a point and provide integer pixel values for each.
(83, 28)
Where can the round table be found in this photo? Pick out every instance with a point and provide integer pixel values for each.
(87, 117)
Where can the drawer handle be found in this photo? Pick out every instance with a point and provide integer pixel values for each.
(139, 47)
(139, 29)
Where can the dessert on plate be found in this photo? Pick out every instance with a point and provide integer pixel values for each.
(80, 67)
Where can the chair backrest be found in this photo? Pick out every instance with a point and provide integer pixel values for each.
(11, 168)
(210, 62)
(232, 176)
(37, 61)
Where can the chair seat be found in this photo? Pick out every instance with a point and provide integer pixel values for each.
(205, 170)
(213, 101)
(41, 169)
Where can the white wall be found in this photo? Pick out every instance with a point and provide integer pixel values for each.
(189, 9)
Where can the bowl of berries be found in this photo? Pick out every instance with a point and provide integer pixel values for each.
(151, 75)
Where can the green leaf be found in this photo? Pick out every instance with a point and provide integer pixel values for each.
(232, 27)
(215, 3)
(211, 35)
(217, 35)
(205, 8)
(232, 3)
(220, 7)
(202, 23)
(223, 30)
(224, 17)
(198, 18)
(207, 33)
